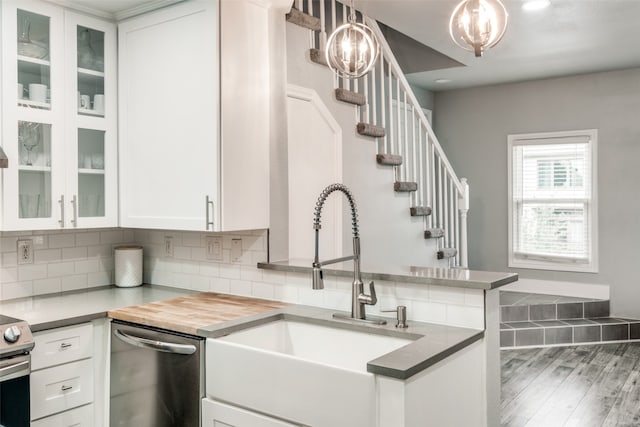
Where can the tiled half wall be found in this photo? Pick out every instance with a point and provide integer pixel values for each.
(71, 260)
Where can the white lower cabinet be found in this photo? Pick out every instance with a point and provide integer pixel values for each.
(62, 377)
(78, 417)
(216, 414)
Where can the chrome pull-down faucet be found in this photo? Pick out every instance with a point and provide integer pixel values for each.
(358, 298)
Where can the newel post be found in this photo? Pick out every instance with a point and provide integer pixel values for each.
(464, 208)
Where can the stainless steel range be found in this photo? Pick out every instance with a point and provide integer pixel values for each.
(15, 367)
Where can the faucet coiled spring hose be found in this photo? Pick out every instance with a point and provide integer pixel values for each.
(323, 197)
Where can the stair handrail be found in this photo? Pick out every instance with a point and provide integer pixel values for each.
(391, 59)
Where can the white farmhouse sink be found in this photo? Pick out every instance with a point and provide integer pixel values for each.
(309, 374)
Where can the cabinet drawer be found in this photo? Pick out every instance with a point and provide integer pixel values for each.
(61, 387)
(222, 415)
(62, 345)
(79, 417)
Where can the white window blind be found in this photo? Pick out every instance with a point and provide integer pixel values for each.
(551, 201)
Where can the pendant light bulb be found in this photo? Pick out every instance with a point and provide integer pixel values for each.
(477, 25)
(352, 49)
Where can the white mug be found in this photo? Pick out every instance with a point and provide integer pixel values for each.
(85, 102)
(20, 91)
(98, 103)
(37, 92)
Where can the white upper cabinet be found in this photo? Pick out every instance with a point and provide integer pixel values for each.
(194, 117)
(62, 159)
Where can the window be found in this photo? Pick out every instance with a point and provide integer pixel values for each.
(552, 201)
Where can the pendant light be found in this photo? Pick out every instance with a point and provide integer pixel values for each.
(477, 25)
(352, 49)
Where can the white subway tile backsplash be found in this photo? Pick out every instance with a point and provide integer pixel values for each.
(58, 269)
(474, 297)
(8, 274)
(285, 293)
(465, 316)
(79, 252)
(9, 259)
(446, 295)
(100, 278)
(250, 273)
(262, 290)
(240, 287)
(219, 284)
(192, 239)
(308, 296)
(47, 286)
(65, 240)
(423, 311)
(87, 266)
(47, 255)
(99, 251)
(77, 259)
(198, 254)
(228, 271)
(181, 252)
(32, 272)
(75, 282)
(88, 239)
(190, 267)
(209, 269)
(111, 237)
(17, 290)
(8, 244)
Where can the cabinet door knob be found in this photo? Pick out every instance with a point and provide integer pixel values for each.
(66, 387)
(65, 345)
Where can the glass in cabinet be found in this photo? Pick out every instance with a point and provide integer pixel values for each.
(33, 59)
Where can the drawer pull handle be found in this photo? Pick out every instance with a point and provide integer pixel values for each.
(65, 345)
(66, 387)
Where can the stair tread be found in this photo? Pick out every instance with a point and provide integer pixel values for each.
(318, 56)
(433, 233)
(368, 129)
(389, 159)
(303, 19)
(350, 96)
(420, 210)
(405, 186)
(447, 253)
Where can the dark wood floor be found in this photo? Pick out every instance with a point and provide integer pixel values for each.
(584, 386)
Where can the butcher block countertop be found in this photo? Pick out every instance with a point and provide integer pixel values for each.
(188, 314)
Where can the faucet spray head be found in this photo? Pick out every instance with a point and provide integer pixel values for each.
(317, 280)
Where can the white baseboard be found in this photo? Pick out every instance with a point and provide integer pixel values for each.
(552, 287)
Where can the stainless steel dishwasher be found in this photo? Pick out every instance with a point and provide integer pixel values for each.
(157, 377)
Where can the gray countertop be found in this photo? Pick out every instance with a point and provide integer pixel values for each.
(69, 308)
(453, 277)
(432, 343)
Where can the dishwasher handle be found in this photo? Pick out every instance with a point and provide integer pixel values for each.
(165, 347)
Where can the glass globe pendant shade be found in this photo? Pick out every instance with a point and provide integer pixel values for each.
(352, 50)
(477, 25)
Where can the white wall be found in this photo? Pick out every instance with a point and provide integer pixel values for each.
(389, 235)
(473, 124)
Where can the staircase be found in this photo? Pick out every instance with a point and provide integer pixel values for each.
(534, 320)
(388, 112)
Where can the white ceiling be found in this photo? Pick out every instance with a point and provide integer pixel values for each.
(569, 37)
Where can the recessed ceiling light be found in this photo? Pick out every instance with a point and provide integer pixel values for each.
(440, 81)
(535, 4)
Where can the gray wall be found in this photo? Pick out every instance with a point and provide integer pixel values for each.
(473, 124)
(425, 97)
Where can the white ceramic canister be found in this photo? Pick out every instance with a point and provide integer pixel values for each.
(128, 260)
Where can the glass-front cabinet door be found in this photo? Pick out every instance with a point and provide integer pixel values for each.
(58, 118)
(91, 116)
(32, 115)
